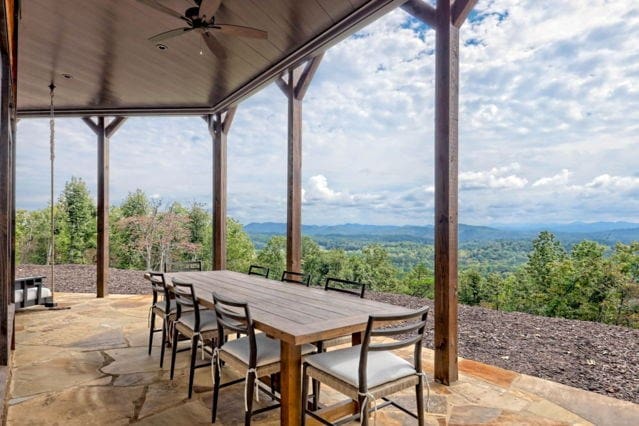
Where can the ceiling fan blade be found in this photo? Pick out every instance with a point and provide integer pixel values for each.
(237, 30)
(160, 7)
(208, 8)
(171, 33)
(214, 46)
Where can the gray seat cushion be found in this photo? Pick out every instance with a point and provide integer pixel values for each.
(383, 366)
(268, 350)
(208, 321)
(161, 305)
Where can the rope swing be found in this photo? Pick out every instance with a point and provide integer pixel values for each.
(52, 213)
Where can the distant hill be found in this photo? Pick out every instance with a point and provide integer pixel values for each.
(573, 227)
(603, 232)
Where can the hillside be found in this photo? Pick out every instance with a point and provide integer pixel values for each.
(602, 232)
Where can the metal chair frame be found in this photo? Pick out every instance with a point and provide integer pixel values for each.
(296, 277)
(232, 321)
(262, 271)
(185, 300)
(400, 332)
(348, 283)
(191, 265)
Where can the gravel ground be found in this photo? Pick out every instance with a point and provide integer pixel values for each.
(592, 356)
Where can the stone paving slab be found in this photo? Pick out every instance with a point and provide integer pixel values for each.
(89, 366)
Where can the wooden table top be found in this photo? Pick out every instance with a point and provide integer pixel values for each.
(290, 312)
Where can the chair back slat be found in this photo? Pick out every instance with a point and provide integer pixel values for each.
(235, 316)
(296, 277)
(403, 329)
(262, 271)
(338, 284)
(192, 265)
(409, 333)
(185, 298)
(393, 346)
(159, 289)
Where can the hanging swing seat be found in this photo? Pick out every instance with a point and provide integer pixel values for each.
(35, 291)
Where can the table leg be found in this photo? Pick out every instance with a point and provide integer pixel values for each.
(357, 337)
(291, 384)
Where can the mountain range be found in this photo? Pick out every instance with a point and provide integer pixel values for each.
(603, 232)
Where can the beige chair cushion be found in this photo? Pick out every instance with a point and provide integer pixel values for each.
(208, 321)
(268, 350)
(382, 367)
(32, 294)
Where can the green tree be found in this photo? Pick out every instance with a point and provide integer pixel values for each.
(136, 203)
(78, 213)
(420, 282)
(240, 251)
(273, 256)
(471, 287)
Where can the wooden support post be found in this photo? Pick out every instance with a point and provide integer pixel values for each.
(299, 79)
(291, 383)
(219, 125)
(103, 133)
(446, 174)
(6, 196)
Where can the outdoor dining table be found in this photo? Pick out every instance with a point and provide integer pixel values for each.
(294, 314)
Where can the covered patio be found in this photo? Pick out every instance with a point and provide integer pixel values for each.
(89, 365)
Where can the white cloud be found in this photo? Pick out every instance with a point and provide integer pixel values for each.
(495, 178)
(558, 179)
(614, 183)
(538, 94)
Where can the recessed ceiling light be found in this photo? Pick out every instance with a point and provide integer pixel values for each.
(161, 46)
(67, 76)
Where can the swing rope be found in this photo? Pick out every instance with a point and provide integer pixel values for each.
(52, 214)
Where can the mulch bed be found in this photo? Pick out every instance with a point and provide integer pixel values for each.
(591, 356)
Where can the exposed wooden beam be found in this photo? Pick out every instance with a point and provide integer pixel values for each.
(446, 193)
(228, 119)
(6, 286)
(461, 10)
(282, 84)
(422, 11)
(294, 180)
(92, 125)
(307, 76)
(219, 126)
(114, 126)
(103, 210)
(103, 133)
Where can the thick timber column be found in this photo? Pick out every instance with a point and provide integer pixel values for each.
(449, 18)
(103, 133)
(295, 87)
(219, 125)
(6, 199)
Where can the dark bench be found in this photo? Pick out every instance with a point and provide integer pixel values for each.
(31, 291)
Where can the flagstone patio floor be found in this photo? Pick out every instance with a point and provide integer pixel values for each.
(88, 365)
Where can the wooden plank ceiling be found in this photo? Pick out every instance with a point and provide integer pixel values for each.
(104, 46)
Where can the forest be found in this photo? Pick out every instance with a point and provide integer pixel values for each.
(586, 280)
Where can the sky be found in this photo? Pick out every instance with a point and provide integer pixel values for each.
(549, 128)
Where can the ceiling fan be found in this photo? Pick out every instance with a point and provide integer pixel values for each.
(201, 18)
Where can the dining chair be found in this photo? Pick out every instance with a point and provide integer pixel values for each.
(193, 323)
(296, 277)
(255, 355)
(345, 286)
(191, 265)
(371, 371)
(262, 271)
(162, 306)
